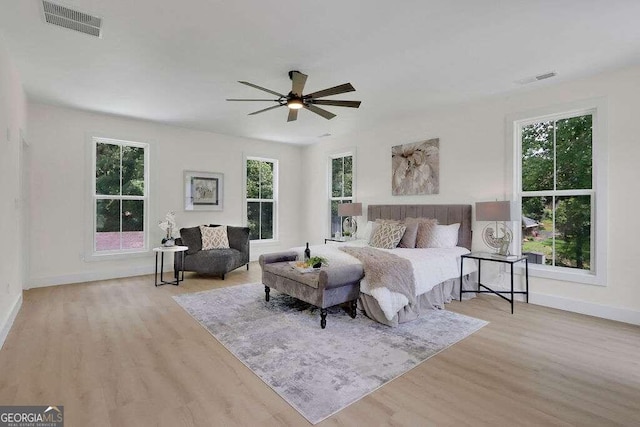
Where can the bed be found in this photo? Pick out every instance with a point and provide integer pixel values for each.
(436, 271)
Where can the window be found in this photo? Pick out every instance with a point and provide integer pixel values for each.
(261, 198)
(120, 190)
(341, 187)
(562, 213)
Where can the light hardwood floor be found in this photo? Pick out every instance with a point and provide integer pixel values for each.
(123, 353)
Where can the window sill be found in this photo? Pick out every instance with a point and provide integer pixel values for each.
(562, 274)
(265, 242)
(115, 256)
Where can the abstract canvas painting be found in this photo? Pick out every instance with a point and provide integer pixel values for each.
(415, 168)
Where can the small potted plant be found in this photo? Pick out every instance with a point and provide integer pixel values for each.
(168, 225)
(317, 261)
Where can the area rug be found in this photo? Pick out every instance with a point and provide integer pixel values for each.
(319, 372)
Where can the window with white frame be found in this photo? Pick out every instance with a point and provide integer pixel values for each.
(341, 191)
(562, 216)
(120, 196)
(261, 197)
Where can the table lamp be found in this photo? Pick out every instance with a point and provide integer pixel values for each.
(500, 237)
(349, 211)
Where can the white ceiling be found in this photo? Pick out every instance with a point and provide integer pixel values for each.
(176, 61)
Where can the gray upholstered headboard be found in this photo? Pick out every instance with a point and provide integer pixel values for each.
(445, 214)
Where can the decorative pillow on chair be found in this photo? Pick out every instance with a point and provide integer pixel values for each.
(444, 236)
(425, 228)
(387, 235)
(214, 237)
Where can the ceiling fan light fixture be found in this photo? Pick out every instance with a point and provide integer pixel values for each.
(294, 104)
(296, 100)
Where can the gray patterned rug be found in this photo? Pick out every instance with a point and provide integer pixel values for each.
(319, 372)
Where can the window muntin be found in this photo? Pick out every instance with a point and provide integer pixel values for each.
(341, 187)
(261, 198)
(557, 190)
(119, 196)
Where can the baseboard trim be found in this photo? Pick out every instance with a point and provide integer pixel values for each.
(8, 322)
(41, 282)
(619, 314)
(583, 307)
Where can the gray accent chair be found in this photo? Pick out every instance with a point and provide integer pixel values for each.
(215, 262)
(325, 288)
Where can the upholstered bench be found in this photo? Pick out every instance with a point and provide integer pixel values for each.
(325, 288)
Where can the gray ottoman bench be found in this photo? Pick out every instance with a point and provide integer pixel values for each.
(325, 288)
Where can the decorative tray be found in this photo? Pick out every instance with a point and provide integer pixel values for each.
(298, 266)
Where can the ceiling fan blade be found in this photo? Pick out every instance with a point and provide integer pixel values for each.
(270, 100)
(351, 104)
(293, 115)
(261, 88)
(332, 91)
(266, 109)
(324, 113)
(298, 80)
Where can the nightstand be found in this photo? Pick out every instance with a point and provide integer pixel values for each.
(491, 257)
(335, 239)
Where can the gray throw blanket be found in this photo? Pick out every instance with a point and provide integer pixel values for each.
(385, 270)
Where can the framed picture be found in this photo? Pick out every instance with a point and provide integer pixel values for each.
(203, 191)
(415, 168)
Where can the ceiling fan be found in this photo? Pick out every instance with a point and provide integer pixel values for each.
(295, 100)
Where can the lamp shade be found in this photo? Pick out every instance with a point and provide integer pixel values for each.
(350, 209)
(495, 211)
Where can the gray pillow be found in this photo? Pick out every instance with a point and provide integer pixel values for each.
(410, 236)
(191, 237)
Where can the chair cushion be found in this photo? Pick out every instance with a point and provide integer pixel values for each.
(214, 261)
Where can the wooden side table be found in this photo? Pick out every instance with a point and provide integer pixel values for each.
(161, 250)
(485, 256)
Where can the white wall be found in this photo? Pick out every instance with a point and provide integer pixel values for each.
(58, 142)
(473, 168)
(12, 126)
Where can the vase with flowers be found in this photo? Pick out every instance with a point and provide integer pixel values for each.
(168, 225)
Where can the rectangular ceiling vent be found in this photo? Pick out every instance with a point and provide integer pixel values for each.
(72, 19)
(537, 78)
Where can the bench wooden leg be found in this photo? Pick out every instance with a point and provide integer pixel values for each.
(323, 318)
(354, 308)
(266, 293)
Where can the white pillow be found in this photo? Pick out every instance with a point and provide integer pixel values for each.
(444, 236)
(214, 237)
(366, 232)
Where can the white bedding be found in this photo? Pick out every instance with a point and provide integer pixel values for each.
(431, 266)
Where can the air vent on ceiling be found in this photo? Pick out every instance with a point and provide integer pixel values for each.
(72, 19)
(537, 78)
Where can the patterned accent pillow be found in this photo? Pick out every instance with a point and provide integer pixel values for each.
(444, 236)
(425, 228)
(214, 237)
(387, 235)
